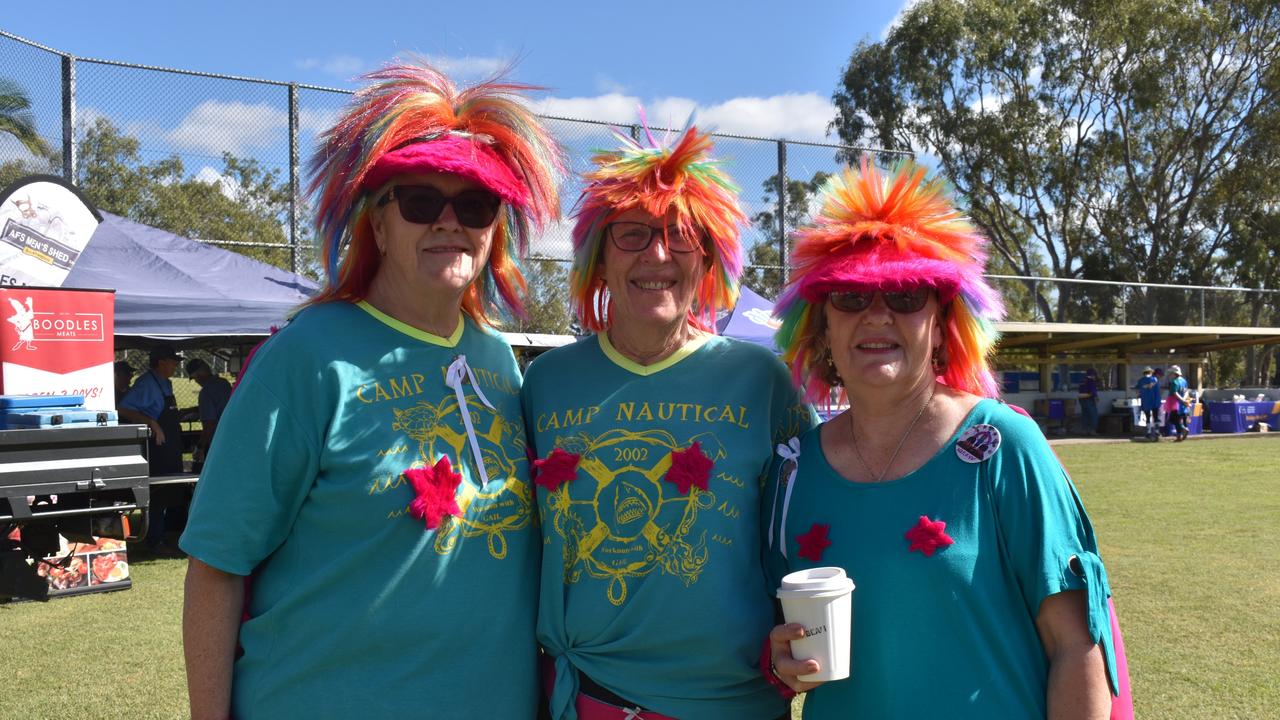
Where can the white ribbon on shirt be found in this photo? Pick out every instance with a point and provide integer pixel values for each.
(788, 451)
(458, 373)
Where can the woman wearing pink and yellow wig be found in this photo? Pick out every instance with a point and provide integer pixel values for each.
(652, 437)
(369, 477)
(980, 592)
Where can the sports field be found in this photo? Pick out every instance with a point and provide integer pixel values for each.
(1189, 531)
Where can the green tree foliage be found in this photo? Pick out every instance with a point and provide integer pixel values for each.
(766, 275)
(548, 301)
(248, 205)
(1085, 136)
(17, 120)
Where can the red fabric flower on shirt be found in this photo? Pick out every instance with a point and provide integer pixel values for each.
(814, 542)
(556, 468)
(928, 536)
(435, 489)
(688, 468)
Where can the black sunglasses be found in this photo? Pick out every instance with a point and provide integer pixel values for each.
(903, 302)
(423, 204)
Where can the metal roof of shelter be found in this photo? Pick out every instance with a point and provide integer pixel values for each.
(1028, 341)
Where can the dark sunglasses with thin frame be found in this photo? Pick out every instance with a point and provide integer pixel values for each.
(636, 237)
(903, 302)
(422, 204)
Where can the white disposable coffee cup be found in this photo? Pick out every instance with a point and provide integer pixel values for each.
(820, 599)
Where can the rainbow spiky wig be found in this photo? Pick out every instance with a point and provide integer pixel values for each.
(877, 232)
(658, 177)
(413, 119)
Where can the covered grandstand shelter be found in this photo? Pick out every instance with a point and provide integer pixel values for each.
(1045, 345)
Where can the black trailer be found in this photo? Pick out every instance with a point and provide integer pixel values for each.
(76, 481)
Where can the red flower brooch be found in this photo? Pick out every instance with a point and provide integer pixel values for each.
(556, 468)
(814, 542)
(928, 536)
(435, 489)
(689, 468)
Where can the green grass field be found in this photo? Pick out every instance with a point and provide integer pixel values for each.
(1189, 532)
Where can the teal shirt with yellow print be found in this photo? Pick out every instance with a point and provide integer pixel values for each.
(651, 578)
(356, 607)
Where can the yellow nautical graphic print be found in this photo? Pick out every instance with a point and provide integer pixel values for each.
(622, 519)
(505, 504)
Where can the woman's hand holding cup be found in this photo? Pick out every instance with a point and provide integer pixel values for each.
(785, 667)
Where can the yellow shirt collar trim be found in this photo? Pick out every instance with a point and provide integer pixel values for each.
(630, 365)
(413, 332)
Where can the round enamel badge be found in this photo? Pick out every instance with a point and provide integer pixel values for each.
(978, 443)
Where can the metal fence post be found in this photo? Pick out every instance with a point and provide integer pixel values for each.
(1203, 319)
(69, 118)
(635, 133)
(782, 208)
(293, 177)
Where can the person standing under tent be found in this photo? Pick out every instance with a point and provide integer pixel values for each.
(1089, 402)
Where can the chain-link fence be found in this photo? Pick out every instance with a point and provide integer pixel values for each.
(132, 136)
(105, 124)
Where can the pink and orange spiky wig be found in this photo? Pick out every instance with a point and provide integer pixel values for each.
(877, 232)
(658, 177)
(413, 119)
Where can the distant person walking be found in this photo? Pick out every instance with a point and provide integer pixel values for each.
(1178, 409)
(1089, 402)
(1148, 387)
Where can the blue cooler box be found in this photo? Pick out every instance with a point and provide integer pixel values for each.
(44, 411)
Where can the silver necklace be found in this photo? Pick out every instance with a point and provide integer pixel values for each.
(853, 436)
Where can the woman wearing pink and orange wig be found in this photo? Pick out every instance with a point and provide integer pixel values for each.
(980, 592)
(652, 437)
(369, 477)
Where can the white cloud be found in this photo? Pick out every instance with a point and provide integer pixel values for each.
(317, 121)
(468, 67)
(343, 67)
(606, 84)
(556, 241)
(793, 116)
(906, 6)
(226, 185)
(611, 107)
(215, 127)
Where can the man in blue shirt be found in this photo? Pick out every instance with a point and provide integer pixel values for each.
(215, 392)
(1148, 388)
(150, 402)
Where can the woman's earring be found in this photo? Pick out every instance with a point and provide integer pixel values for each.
(939, 362)
(832, 371)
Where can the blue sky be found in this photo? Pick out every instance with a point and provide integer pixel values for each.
(761, 68)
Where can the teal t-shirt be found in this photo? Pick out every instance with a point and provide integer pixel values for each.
(1178, 388)
(950, 634)
(651, 580)
(357, 609)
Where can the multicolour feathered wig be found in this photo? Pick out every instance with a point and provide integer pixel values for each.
(413, 119)
(885, 233)
(658, 178)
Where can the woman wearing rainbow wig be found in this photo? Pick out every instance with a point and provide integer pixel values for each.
(370, 474)
(980, 593)
(652, 439)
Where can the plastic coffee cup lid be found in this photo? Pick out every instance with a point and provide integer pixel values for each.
(815, 582)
